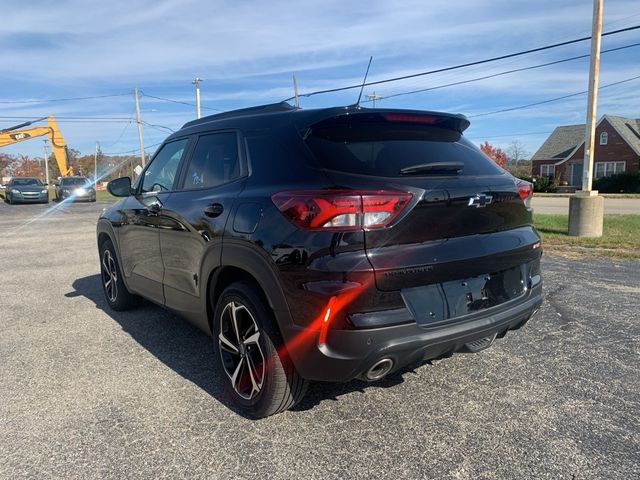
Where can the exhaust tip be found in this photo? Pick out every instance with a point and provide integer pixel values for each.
(379, 369)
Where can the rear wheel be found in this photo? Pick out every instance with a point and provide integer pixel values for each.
(258, 379)
(115, 291)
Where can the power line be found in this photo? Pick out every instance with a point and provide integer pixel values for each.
(180, 102)
(48, 100)
(563, 97)
(63, 117)
(113, 154)
(157, 127)
(524, 134)
(463, 65)
(111, 144)
(506, 72)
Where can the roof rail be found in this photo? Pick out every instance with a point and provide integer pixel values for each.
(270, 108)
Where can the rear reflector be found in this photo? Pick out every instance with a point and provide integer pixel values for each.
(341, 209)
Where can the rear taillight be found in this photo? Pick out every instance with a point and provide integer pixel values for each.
(341, 209)
(525, 190)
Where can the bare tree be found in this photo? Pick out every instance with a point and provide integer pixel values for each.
(519, 158)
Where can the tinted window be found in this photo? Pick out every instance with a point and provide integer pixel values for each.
(160, 175)
(25, 182)
(74, 181)
(384, 149)
(214, 161)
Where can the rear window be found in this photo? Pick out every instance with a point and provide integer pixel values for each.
(26, 182)
(384, 149)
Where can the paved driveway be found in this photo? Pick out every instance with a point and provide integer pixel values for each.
(86, 392)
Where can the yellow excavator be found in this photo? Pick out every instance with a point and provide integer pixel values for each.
(19, 133)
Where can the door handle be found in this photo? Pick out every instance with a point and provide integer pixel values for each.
(213, 210)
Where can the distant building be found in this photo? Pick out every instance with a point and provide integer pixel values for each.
(617, 150)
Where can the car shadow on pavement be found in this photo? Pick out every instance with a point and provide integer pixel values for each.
(187, 350)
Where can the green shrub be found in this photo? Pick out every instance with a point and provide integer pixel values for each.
(619, 183)
(542, 184)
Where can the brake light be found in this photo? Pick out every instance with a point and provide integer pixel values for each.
(525, 189)
(410, 118)
(341, 209)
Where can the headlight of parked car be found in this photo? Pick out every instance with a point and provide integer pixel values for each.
(44, 190)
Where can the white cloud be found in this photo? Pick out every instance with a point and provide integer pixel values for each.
(247, 51)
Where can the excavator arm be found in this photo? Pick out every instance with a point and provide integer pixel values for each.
(17, 134)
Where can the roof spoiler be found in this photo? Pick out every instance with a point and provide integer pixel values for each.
(456, 122)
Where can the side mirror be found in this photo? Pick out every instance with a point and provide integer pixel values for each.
(120, 187)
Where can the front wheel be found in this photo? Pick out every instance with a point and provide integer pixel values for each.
(115, 291)
(259, 380)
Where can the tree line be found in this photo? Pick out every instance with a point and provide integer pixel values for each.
(109, 166)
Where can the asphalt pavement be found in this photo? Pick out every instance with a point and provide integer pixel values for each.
(86, 392)
(560, 205)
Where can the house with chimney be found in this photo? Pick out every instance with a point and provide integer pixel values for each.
(617, 150)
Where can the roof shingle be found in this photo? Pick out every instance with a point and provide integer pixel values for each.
(560, 143)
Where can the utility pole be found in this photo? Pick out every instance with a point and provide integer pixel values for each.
(196, 82)
(586, 208)
(139, 122)
(373, 97)
(95, 168)
(46, 161)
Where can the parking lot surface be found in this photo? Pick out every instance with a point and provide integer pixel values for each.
(90, 393)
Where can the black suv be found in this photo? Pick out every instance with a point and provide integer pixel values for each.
(325, 245)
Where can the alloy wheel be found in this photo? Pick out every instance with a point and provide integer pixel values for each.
(242, 356)
(109, 275)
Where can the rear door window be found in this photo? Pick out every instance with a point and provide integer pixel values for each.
(214, 161)
(383, 149)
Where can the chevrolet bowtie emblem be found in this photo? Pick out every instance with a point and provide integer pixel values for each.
(480, 200)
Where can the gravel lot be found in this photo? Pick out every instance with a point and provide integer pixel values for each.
(90, 393)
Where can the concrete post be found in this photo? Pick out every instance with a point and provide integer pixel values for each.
(586, 210)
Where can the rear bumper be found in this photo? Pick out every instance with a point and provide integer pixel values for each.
(347, 354)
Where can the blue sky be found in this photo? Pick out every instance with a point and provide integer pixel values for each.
(247, 51)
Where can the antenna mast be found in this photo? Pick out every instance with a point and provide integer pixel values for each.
(364, 81)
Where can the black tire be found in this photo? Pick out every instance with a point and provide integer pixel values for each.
(116, 293)
(281, 386)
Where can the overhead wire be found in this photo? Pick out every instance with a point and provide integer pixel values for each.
(70, 99)
(563, 97)
(462, 65)
(179, 102)
(493, 75)
(134, 150)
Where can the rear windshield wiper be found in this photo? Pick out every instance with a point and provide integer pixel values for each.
(435, 167)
